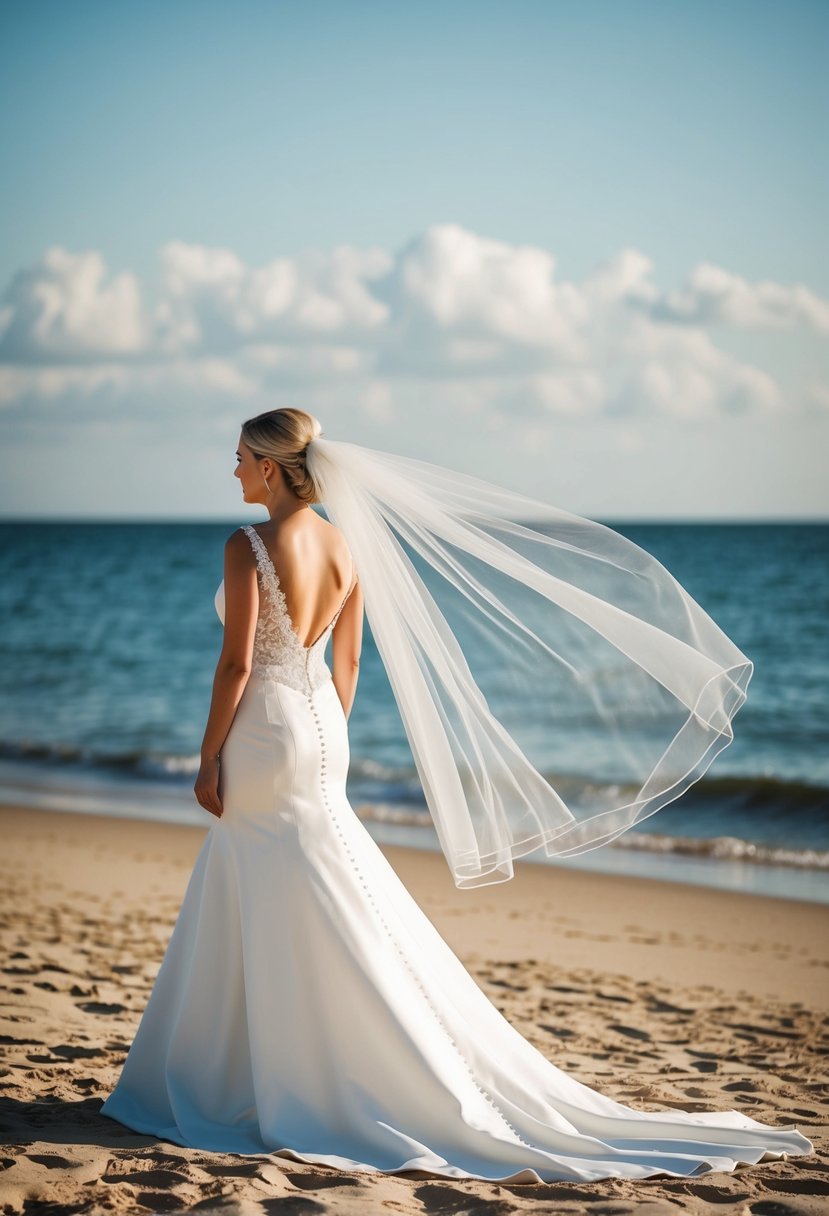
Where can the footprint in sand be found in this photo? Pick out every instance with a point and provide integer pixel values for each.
(158, 1179)
(233, 1171)
(772, 1207)
(293, 1205)
(78, 1053)
(797, 1186)
(706, 1192)
(755, 1030)
(317, 1182)
(631, 1032)
(53, 1161)
(657, 1006)
(560, 1032)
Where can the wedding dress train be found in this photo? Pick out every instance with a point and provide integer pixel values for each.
(307, 1008)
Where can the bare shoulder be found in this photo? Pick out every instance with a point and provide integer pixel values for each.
(238, 538)
(307, 527)
(238, 548)
(305, 540)
(334, 535)
(339, 548)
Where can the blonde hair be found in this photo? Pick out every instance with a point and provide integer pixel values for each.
(284, 435)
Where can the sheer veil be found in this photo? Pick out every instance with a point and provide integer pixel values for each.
(556, 683)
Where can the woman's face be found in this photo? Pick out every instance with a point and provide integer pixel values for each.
(251, 472)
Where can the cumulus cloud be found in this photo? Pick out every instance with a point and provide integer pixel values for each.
(212, 300)
(488, 327)
(458, 286)
(714, 296)
(63, 310)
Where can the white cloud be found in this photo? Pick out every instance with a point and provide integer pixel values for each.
(459, 283)
(63, 309)
(212, 299)
(276, 363)
(679, 372)
(622, 280)
(485, 328)
(714, 296)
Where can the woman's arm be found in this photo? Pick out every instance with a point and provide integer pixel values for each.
(233, 667)
(346, 645)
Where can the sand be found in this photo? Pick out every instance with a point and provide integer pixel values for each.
(658, 994)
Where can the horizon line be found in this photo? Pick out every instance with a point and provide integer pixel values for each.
(222, 519)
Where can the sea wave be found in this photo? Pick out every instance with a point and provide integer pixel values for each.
(721, 848)
(724, 848)
(391, 794)
(137, 763)
(754, 791)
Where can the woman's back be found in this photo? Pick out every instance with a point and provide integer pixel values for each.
(314, 567)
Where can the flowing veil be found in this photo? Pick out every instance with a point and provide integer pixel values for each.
(556, 683)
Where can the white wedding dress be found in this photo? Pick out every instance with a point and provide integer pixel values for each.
(307, 1008)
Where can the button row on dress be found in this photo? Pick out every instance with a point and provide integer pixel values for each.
(475, 1081)
(397, 945)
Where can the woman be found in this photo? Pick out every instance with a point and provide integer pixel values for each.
(306, 1007)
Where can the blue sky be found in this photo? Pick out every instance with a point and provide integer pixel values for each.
(575, 247)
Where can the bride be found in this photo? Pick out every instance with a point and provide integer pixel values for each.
(306, 1007)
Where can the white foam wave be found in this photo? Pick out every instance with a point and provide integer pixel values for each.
(720, 848)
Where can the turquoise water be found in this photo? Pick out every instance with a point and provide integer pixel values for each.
(110, 639)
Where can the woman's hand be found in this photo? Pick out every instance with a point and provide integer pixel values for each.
(206, 788)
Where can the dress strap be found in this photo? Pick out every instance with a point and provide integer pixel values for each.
(263, 558)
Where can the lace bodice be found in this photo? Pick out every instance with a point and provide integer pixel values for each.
(278, 653)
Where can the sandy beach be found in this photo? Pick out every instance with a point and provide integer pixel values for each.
(658, 994)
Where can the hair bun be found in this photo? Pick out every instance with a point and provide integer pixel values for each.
(284, 435)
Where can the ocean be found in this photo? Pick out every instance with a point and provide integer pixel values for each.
(110, 639)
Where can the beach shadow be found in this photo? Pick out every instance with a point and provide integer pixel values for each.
(54, 1121)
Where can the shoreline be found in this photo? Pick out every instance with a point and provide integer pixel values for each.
(721, 862)
(657, 992)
